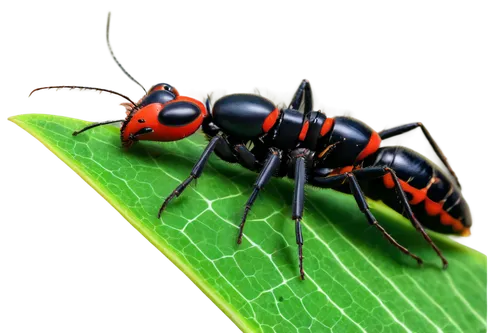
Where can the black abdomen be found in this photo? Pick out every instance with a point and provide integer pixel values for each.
(435, 199)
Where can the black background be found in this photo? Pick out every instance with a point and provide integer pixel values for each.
(72, 274)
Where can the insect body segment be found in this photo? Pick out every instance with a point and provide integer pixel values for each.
(245, 116)
(349, 142)
(430, 192)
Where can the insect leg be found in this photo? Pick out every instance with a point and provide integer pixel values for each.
(298, 207)
(272, 163)
(303, 93)
(245, 157)
(389, 133)
(232, 152)
(335, 181)
(195, 173)
(409, 214)
(224, 151)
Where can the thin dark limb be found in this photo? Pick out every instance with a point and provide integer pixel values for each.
(75, 133)
(114, 58)
(224, 151)
(245, 157)
(363, 205)
(270, 167)
(235, 153)
(195, 173)
(369, 173)
(298, 207)
(389, 133)
(409, 214)
(76, 87)
(303, 93)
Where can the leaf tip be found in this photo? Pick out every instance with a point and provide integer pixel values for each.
(10, 116)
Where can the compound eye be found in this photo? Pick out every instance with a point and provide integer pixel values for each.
(159, 96)
(178, 114)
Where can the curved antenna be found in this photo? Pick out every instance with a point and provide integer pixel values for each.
(114, 58)
(80, 87)
(75, 133)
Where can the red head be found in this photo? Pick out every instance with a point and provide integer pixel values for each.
(162, 115)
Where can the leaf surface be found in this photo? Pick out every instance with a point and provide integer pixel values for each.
(355, 280)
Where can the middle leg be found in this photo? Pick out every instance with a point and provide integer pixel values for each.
(298, 207)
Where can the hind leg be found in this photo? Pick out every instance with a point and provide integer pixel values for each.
(389, 133)
(355, 189)
(408, 212)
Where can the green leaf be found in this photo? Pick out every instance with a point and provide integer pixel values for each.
(355, 280)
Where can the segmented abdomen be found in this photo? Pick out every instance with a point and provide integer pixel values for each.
(434, 198)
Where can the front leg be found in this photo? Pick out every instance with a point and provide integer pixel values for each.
(195, 173)
(227, 149)
(232, 152)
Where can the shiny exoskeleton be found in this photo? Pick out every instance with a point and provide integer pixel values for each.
(331, 152)
(327, 152)
(340, 153)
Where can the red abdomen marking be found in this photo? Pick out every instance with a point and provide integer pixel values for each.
(418, 195)
(432, 208)
(447, 219)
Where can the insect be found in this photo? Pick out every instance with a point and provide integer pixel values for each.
(341, 153)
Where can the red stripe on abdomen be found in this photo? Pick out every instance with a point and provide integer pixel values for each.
(432, 208)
